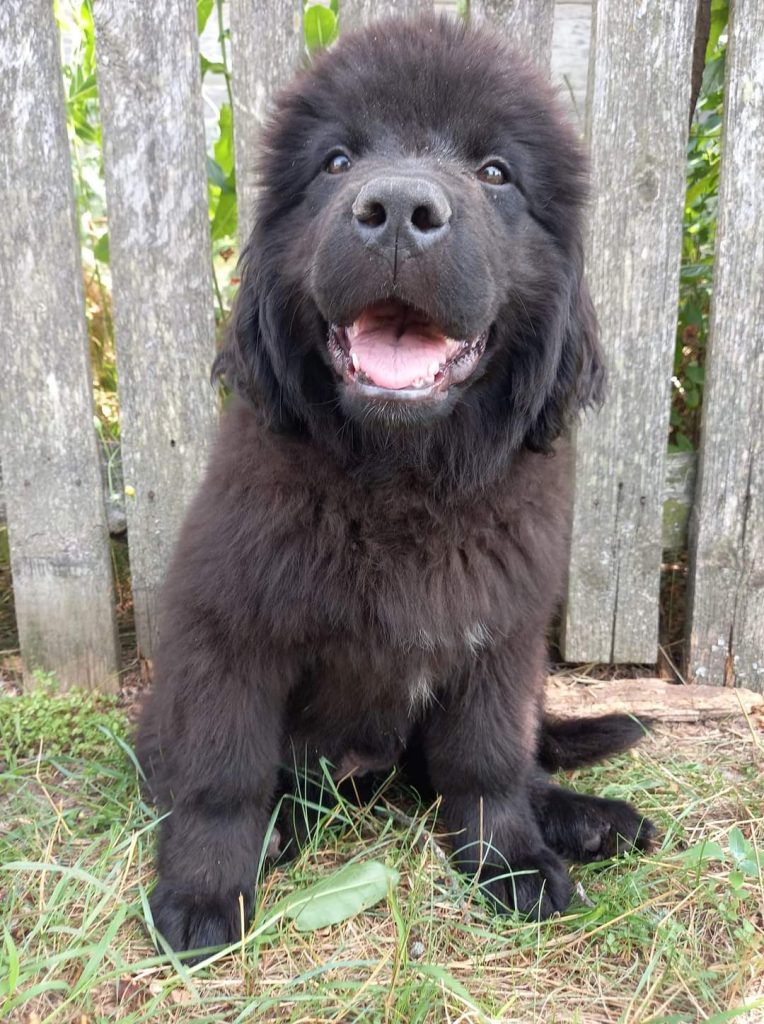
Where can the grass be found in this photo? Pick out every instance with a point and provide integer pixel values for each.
(676, 936)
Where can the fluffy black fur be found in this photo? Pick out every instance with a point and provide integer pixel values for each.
(370, 580)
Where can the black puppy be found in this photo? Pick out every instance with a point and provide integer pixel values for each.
(381, 539)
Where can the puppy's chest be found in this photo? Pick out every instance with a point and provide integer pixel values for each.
(413, 577)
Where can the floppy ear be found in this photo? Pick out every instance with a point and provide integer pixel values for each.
(579, 380)
(246, 361)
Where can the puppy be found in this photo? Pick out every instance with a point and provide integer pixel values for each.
(369, 569)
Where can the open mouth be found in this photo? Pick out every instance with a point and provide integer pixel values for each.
(394, 351)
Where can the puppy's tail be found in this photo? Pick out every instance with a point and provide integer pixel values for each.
(580, 741)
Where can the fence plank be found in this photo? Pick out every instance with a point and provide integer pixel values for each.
(527, 23)
(266, 47)
(357, 13)
(57, 526)
(149, 79)
(637, 128)
(726, 607)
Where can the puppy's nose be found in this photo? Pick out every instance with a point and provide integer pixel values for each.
(411, 214)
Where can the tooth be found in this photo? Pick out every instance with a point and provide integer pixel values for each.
(355, 360)
(433, 369)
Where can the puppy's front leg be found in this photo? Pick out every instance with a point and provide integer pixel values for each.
(479, 745)
(210, 747)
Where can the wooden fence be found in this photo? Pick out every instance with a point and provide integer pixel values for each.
(148, 72)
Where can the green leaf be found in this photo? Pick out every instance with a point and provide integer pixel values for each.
(700, 853)
(740, 848)
(692, 371)
(683, 443)
(225, 217)
(224, 145)
(217, 175)
(749, 866)
(719, 18)
(347, 892)
(101, 248)
(691, 397)
(83, 89)
(693, 271)
(320, 26)
(8, 985)
(203, 12)
(216, 67)
(713, 76)
(737, 1011)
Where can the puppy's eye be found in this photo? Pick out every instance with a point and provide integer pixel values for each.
(337, 163)
(493, 174)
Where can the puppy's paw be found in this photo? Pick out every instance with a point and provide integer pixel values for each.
(536, 885)
(588, 828)
(188, 920)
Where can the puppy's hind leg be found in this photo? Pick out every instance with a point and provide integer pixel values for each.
(586, 828)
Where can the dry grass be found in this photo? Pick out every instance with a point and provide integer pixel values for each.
(677, 936)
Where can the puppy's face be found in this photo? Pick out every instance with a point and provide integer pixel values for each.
(419, 219)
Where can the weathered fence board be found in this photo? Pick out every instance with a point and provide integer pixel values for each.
(527, 23)
(154, 157)
(637, 131)
(57, 526)
(356, 13)
(570, 55)
(149, 79)
(266, 47)
(726, 638)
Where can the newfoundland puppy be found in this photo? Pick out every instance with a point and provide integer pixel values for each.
(368, 571)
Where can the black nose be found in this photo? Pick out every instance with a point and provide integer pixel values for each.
(410, 214)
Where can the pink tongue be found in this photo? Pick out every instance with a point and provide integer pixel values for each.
(394, 360)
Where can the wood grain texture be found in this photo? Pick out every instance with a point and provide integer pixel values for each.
(149, 79)
(648, 698)
(266, 47)
(57, 526)
(528, 24)
(726, 637)
(637, 132)
(570, 57)
(357, 13)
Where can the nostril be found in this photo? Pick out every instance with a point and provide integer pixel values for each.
(373, 215)
(423, 220)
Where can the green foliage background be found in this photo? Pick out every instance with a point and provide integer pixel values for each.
(699, 236)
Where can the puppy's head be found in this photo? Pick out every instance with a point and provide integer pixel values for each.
(417, 258)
